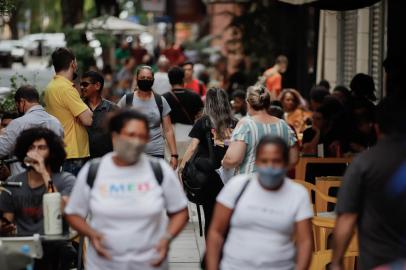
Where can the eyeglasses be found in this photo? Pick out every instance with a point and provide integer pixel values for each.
(85, 84)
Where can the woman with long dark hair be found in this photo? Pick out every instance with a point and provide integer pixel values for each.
(218, 121)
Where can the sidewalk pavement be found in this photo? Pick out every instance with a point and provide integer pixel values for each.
(188, 247)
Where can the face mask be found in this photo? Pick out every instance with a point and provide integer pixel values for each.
(270, 177)
(145, 85)
(129, 150)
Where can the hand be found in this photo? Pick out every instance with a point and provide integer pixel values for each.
(162, 249)
(37, 163)
(6, 228)
(97, 242)
(174, 163)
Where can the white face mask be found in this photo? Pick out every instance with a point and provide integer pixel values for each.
(129, 150)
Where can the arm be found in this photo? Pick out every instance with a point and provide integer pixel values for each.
(86, 118)
(311, 147)
(177, 222)
(293, 156)
(189, 152)
(234, 155)
(217, 232)
(8, 138)
(343, 231)
(304, 243)
(170, 138)
(7, 228)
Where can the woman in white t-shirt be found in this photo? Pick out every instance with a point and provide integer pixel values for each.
(262, 213)
(129, 228)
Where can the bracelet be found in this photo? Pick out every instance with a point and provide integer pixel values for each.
(175, 156)
(168, 236)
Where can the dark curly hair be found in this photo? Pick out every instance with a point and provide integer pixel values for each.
(55, 144)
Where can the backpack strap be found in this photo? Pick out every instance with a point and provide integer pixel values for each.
(157, 169)
(159, 103)
(129, 99)
(92, 173)
(241, 192)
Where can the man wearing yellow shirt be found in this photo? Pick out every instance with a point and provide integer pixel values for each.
(63, 101)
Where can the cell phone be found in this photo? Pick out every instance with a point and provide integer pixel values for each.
(5, 221)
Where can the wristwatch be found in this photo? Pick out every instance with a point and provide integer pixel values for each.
(168, 236)
(175, 156)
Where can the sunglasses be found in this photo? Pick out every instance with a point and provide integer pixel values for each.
(85, 84)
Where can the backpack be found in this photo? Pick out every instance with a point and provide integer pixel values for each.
(197, 171)
(95, 163)
(158, 100)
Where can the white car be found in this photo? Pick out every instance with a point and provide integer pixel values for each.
(12, 51)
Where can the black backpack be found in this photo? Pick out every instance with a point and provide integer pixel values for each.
(198, 170)
(95, 163)
(158, 100)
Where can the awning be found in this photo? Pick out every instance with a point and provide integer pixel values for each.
(111, 24)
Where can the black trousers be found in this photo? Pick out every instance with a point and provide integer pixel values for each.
(57, 256)
(212, 189)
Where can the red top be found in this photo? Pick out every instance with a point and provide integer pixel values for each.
(196, 86)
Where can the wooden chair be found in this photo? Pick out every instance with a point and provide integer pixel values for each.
(324, 184)
(319, 196)
(322, 228)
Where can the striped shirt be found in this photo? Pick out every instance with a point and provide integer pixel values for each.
(250, 132)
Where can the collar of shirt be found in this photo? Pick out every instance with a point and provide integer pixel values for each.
(35, 108)
(64, 80)
(103, 106)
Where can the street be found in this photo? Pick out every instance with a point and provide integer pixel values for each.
(36, 72)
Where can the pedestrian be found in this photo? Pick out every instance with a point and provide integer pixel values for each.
(273, 76)
(296, 112)
(63, 101)
(191, 82)
(6, 118)
(121, 54)
(250, 129)
(124, 78)
(260, 218)
(157, 110)
(317, 96)
(218, 122)
(127, 199)
(32, 114)
(161, 82)
(43, 151)
(91, 85)
(370, 187)
(186, 107)
(239, 104)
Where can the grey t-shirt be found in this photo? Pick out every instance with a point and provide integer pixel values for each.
(156, 145)
(26, 202)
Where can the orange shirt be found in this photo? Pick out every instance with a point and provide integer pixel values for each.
(274, 82)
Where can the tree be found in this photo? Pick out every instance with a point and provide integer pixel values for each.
(6, 6)
(107, 7)
(72, 12)
(14, 18)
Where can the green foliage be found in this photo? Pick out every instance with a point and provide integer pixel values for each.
(76, 41)
(6, 6)
(8, 104)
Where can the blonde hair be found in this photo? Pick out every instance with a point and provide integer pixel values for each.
(258, 97)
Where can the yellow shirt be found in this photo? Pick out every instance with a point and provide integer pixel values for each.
(63, 101)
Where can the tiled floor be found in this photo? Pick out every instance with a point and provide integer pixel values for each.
(187, 248)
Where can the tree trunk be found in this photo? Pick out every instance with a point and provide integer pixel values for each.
(72, 12)
(14, 19)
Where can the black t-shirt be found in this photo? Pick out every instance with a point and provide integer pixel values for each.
(190, 101)
(200, 130)
(325, 139)
(381, 211)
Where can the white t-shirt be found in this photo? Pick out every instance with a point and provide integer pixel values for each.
(262, 224)
(128, 207)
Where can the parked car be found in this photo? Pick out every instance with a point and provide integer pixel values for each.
(12, 51)
(43, 43)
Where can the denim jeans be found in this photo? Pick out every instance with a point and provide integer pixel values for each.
(74, 165)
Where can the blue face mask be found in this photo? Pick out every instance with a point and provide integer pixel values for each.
(270, 177)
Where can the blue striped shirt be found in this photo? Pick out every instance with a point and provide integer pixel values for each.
(250, 132)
